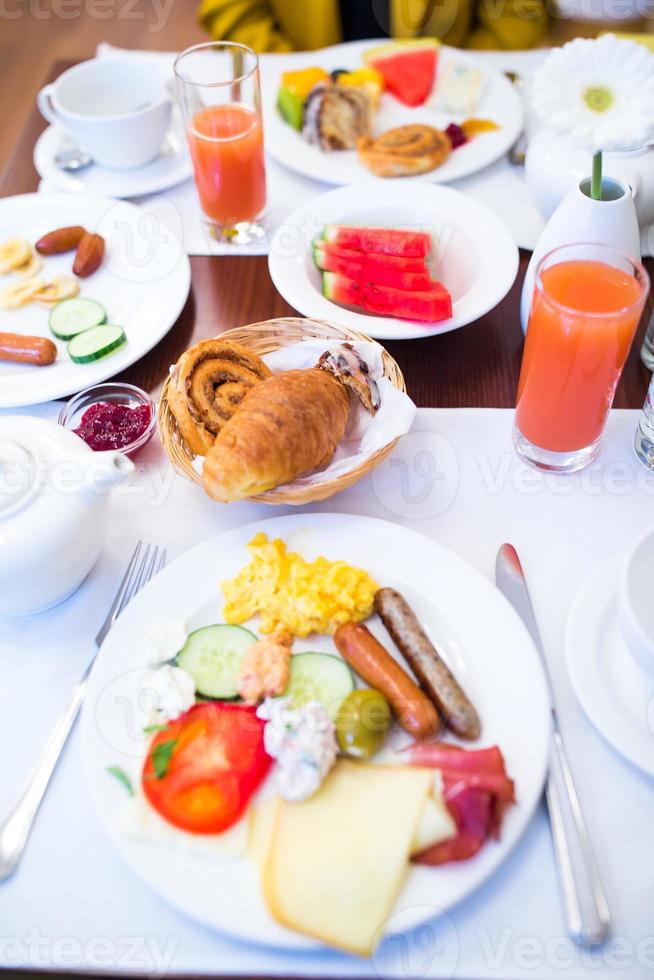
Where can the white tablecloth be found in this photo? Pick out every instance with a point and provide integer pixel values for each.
(72, 903)
(501, 187)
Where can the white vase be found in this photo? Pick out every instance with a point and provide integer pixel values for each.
(555, 163)
(578, 219)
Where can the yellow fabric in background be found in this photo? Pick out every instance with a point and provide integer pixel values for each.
(646, 39)
(303, 25)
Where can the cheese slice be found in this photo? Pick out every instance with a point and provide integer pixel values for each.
(337, 861)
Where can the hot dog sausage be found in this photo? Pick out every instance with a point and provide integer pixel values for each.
(365, 654)
(30, 350)
(432, 672)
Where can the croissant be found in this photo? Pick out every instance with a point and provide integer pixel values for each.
(208, 384)
(288, 425)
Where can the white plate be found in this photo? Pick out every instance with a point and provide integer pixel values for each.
(499, 102)
(616, 694)
(475, 255)
(143, 284)
(171, 167)
(489, 649)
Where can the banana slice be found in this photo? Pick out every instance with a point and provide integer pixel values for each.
(24, 291)
(14, 253)
(61, 287)
(30, 268)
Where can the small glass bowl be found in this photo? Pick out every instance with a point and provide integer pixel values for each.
(116, 393)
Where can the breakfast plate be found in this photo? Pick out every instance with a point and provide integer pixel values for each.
(171, 167)
(474, 254)
(142, 285)
(490, 652)
(614, 691)
(499, 102)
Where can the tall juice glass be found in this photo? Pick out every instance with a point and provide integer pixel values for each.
(218, 91)
(586, 305)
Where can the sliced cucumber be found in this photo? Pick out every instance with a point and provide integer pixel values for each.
(73, 316)
(95, 343)
(212, 656)
(319, 677)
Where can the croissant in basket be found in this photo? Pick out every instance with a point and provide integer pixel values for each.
(208, 384)
(286, 426)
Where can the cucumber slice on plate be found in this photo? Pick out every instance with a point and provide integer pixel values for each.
(319, 677)
(72, 316)
(97, 342)
(212, 656)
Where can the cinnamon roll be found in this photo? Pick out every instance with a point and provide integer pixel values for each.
(207, 385)
(412, 149)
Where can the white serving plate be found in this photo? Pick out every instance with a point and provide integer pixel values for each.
(476, 256)
(143, 284)
(171, 167)
(476, 629)
(499, 101)
(612, 688)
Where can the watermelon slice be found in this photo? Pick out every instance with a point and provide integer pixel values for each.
(383, 241)
(368, 267)
(408, 68)
(402, 264)
(427, 306)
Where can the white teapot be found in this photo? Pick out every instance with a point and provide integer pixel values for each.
(554, 164)
(53, 499)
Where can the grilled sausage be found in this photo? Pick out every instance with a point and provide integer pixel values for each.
(435, 677)
(29, 350)
(368, 658)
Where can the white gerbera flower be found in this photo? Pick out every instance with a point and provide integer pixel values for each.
(599, 92)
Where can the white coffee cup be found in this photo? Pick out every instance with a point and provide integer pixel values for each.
(636, 602)
(118, 110)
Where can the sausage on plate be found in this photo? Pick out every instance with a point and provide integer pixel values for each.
(29, 350)
(432, 672)
(368, 658)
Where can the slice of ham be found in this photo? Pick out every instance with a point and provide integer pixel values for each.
(476, 790)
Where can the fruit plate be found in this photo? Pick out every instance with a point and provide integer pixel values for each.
(143, 284)
(491, 652)
(475, 255)
(499, 101)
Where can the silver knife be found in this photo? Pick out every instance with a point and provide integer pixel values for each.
(586, 908)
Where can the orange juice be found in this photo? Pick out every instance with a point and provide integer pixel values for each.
(581, 325)
(226, 143)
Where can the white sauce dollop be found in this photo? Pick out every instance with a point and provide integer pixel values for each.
(303, 741)
(164, 641)
(170, 692)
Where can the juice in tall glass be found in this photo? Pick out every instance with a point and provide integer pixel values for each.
(583, 318)
(226, 144)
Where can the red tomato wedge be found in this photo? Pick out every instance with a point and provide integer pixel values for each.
(202, 768)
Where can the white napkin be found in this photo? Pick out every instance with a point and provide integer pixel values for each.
(365, 434)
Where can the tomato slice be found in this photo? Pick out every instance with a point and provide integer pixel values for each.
(202, 768)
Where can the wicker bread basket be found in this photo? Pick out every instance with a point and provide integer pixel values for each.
(262, 338)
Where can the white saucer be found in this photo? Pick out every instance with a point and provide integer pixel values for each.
(616, 694)
(172, 166)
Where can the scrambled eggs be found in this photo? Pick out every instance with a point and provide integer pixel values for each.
(303, 596)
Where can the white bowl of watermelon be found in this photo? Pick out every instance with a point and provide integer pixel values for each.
(396, 262)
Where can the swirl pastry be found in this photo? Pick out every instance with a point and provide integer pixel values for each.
(413, 149)
(208, 384)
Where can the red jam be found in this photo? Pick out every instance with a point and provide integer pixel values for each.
(457, 135)
(107, 425)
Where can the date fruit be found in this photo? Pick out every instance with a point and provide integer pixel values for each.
(90, 253)
(60, 240)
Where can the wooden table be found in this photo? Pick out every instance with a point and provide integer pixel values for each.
(475, 366)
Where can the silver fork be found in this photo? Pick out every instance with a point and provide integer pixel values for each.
(144, 564)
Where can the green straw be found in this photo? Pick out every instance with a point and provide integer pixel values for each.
(596, 179)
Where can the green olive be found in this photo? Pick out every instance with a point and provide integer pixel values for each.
(362, 721)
